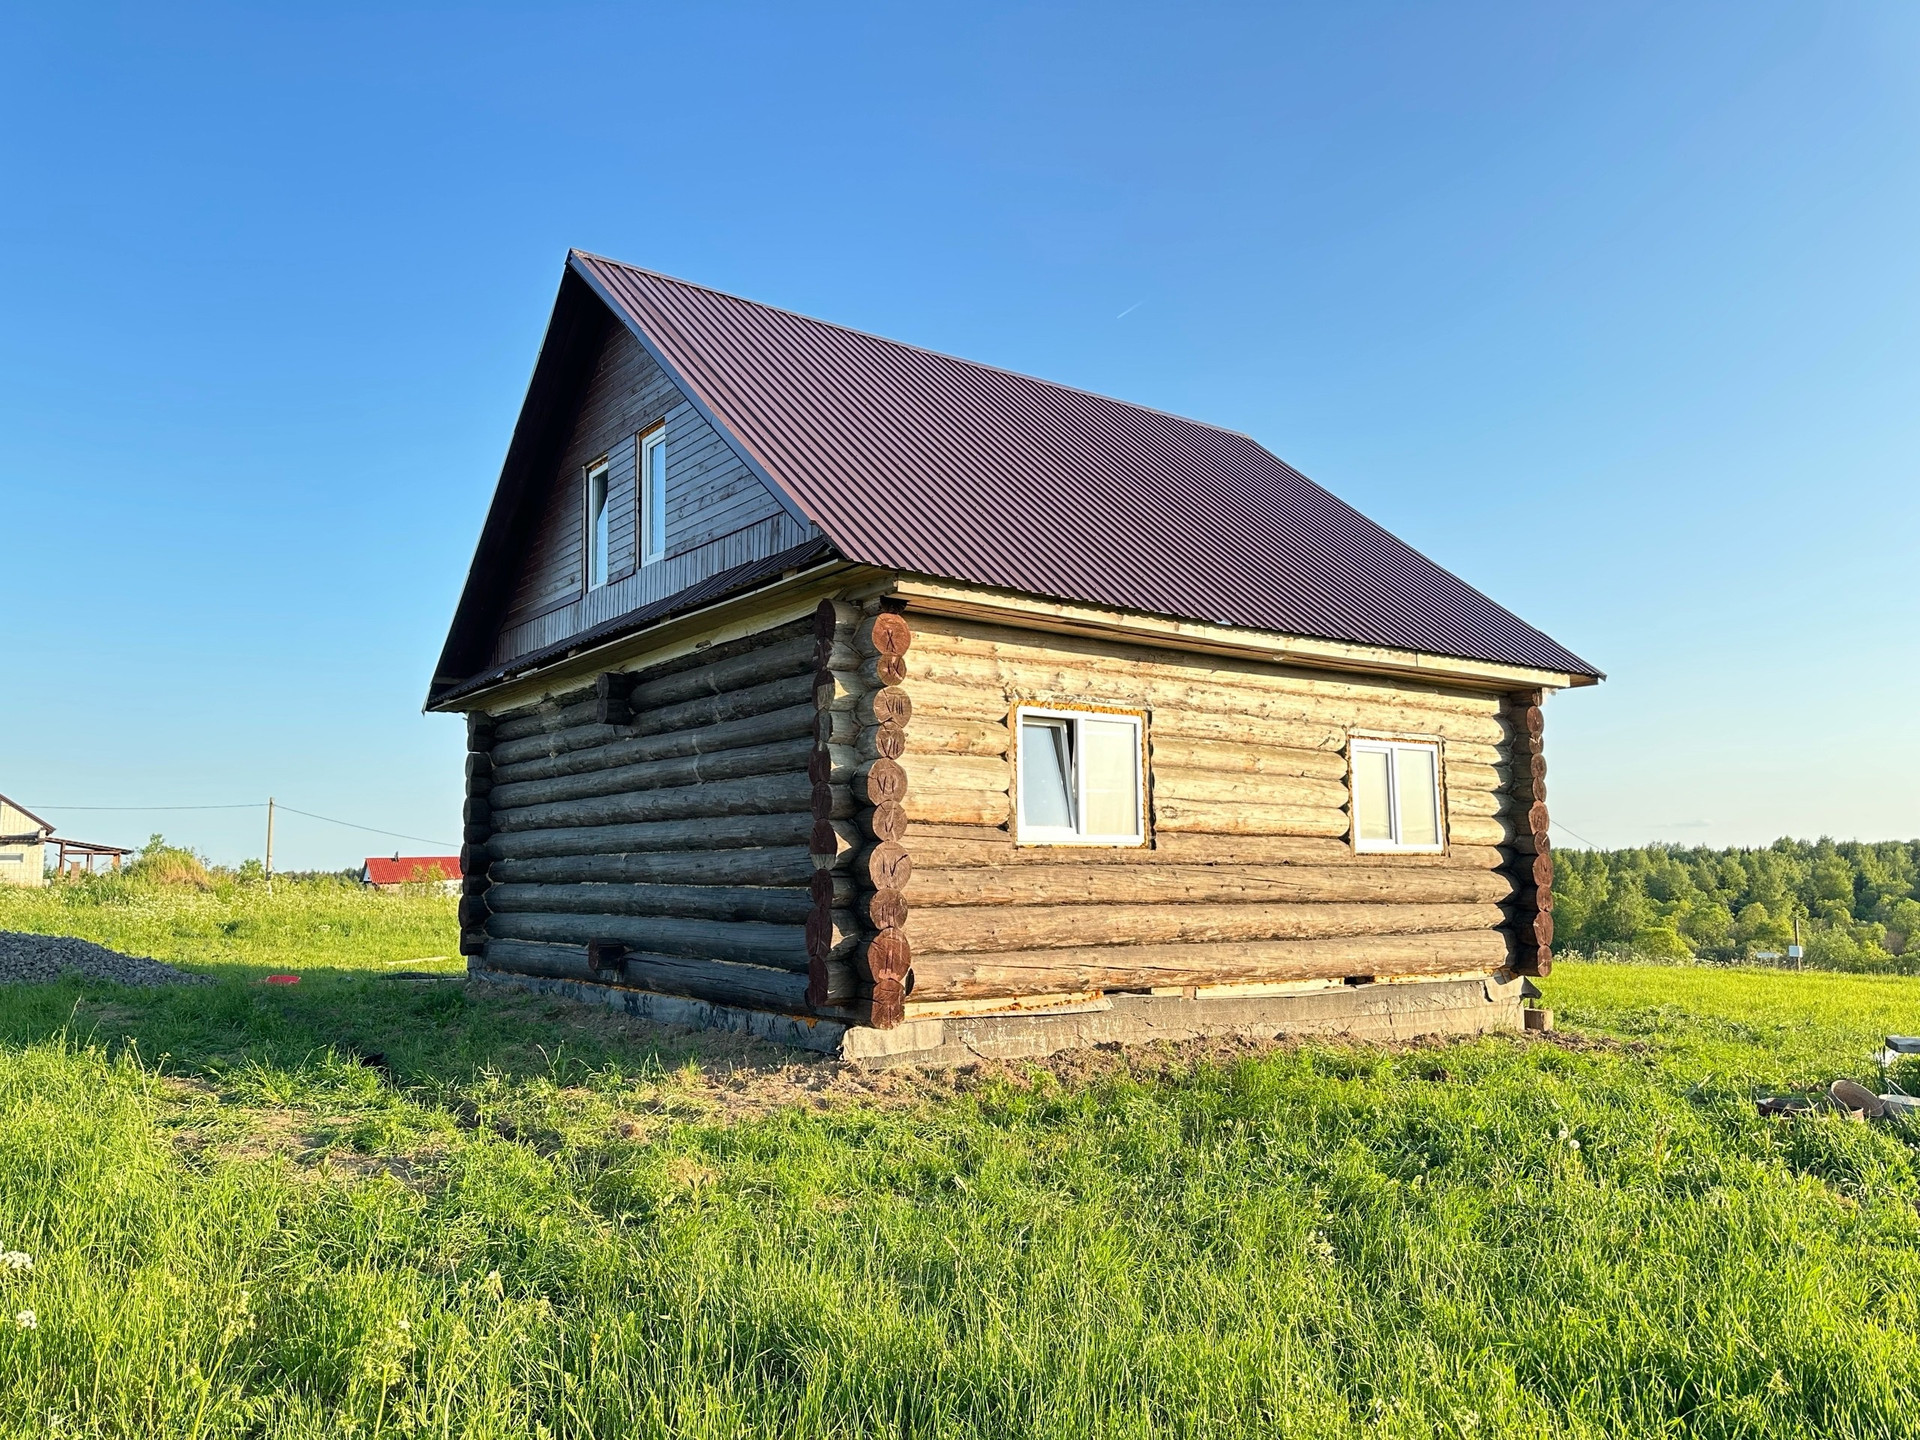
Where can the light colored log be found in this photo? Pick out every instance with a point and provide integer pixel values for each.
(1171, 783)
(878, 670)
(881, 742)
(1140, 967)
(752, 795)
(777, 865)
(772, 905)
(793, 722)
(1233, 818)
(1070, 884)
(782, 756)
(958, 701)
(1172, 723)
(878, 781)
(957, 807)
(697, 837)
(1462, 775)
(743, 941)
(891, 706)
(1478, 830)
(940, 735)
(946, 771)
(954, 930)
(884, 909)
(1014, 654)
(1464, 802)
(884, 634)
(1221, 757)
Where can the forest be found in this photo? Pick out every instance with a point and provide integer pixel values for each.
(1858, 903)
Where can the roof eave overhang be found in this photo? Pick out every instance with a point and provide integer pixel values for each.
(671, 635)
(1012, 607)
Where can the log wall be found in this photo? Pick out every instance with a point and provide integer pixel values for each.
(1249, 875)
(656, 829)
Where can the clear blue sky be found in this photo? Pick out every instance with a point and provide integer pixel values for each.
(1611, 309)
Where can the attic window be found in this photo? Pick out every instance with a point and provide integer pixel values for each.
(599, 526)
(1078, 774)
(1396, 795)
(653, 495)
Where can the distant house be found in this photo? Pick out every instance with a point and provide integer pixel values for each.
(386, 872)
(833, 685)
(23, 845)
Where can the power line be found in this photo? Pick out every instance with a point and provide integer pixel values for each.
(1576, 835)
(261, 805)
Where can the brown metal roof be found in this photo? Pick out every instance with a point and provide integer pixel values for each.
(918, 461)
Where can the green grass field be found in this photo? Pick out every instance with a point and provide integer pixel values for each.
(541, 1221)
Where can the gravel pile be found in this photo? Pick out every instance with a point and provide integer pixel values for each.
(35, 959)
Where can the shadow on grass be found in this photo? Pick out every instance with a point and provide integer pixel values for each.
(442, 1032)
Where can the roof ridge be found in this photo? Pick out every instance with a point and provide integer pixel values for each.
(921, 349)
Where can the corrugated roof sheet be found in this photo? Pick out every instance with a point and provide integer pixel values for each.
(918, 461)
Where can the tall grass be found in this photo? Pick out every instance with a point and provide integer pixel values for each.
(261, 1236)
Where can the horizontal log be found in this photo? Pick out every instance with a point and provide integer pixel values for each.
(832, 802)
(1534, 960)
(834, 727)
(938, 735)
(832, 764)
(938, 846)
(692, 836)
(878, 670)
(928, 770)
(1533, 871)
(770, 904)
(834, 843)
(881, 742)
(886, 866)
(1528, 816)
(1533, 927)
(958, 807)
(1021, 659)
(886, 957)
(750, 795)
(702, 711)
(836, 690)
(1138, 967)
(472, 912)
(1462, 800)
(479, 767)
(1220, 728)
(831, 616)
(828, 890)
(830, 934)
(1224, 757)
(782, 756)
(1172, 784)
(791, 723)
(838, 653)
(1478, 830)
(884, 634)
(1079, 884)
(475, 810)
(875, 782)
(610, 698)
(480, 731)
(884, 822)
(884, 909)
(476, 832)
(473, 942)
(781, 660)
(940, 931)
(743, 941)
(474, 860)
(782, 865)
(1527, 723)
(753, 986)
(1234, 818)
(555, 712)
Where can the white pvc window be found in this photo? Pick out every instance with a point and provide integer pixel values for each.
(653, 496)
(599, 524)
(1079, 778)
(1396, 795)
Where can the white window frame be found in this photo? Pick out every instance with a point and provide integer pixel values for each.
(1025, 834)
(1391, 746)
(652, 519)
(599, 567)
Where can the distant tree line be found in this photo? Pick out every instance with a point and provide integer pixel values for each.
(1858, 903)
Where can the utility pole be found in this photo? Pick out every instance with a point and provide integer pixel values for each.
(269, 844)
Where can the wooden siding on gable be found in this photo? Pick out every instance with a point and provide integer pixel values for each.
(719, 514)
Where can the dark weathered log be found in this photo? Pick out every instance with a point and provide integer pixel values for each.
(747, 942)
(1135, 967)
(1529, 817)
(885, 634)
(1531, 958)
(795, 722)
(884, 909)
(890, 706)
(473, 942)
(781, 756)
(610, 693)
(474, 860)
(781, 660)
(474, 883)
(476, 833)
(832, 765)
(480, 731)
(834, 727)
(1532, 870)
(699, 714)
(880, 781)
(770, 904)
(697, 836)
(556, 962)
(1530, 926)
(751, 795)
(831, 802)
(835, 690)
(831, 616)
(886, 866)
(834, 844)
(718, 981)
(479, 767)
(475, 810)
(556, 712)
(473, 912)
(829, 891)
(836, 654)
(832, 933)
(782, 865)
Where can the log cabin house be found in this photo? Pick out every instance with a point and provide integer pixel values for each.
(824, 685)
